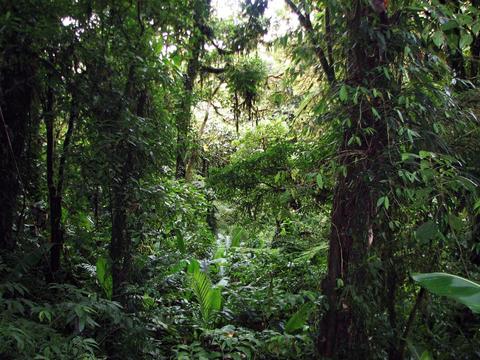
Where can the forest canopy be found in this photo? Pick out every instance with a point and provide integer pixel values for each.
(239, 179)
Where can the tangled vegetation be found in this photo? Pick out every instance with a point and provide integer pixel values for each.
(282, 179)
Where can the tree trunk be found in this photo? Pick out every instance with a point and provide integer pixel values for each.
(54, 200)
(121, 241)
(201, 13)
(343, 333)
(184, 118)
(120, 232)
(455, 54)
(55, 189)
(192, 161)
(16, 92)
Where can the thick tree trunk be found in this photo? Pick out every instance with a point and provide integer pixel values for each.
(343, 333)
(16, 92)
(121, 241)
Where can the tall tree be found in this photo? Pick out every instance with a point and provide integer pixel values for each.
(18, 63)
(368, 87)
(343, 332)
(201, 14)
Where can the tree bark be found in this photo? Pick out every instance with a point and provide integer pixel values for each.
(55, 188)
(304, 20)
(121, 241)
(343, 332)
(16, 94)
(193, 159)
(200, 15)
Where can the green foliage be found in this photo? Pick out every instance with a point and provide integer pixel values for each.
(209, 297)
(390, 147)
(104, 276)
(298, 320)
(246, 78)
(455, 287)
(65, 323)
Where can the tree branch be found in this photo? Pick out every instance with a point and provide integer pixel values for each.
(307, 25)
(212, 70)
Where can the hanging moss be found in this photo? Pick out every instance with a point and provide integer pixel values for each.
(245, 81)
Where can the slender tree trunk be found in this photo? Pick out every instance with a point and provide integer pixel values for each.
(195, 152)
(455, 54)
(55, 188)
(184, 118)
(200, 16)
(54, 200)
(121, 187)
(120, 232)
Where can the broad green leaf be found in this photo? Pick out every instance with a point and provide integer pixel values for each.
(376, 113)
(101, 267)
(449, 25)
(455, 222)
(476, 28)
(476, 206)
(215, 299)
(299, 319)
(239, 235)
(424, 154)
(209, 297)
(383, 201)
(455, 287)
(219, 253)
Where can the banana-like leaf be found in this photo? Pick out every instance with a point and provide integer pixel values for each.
(455, 287)
(299, 319)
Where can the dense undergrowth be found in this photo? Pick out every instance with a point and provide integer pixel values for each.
(290, 181)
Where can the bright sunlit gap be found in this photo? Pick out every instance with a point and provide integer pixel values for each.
(281, 19)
